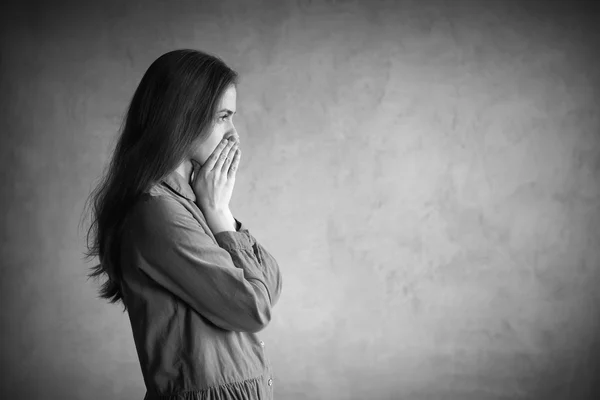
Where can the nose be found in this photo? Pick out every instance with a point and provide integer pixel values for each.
(232, 134)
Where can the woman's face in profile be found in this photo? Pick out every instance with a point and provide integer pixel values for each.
(222, 127)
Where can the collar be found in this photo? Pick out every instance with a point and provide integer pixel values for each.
(178, 183)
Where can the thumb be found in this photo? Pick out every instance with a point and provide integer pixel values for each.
(195, 169)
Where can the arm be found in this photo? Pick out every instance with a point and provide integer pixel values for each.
(220, 221)
(220, 224)
(225, 284)
(270, 269)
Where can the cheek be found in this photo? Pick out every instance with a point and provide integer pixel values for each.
(211, 145)
(214, 139)
(203, 151)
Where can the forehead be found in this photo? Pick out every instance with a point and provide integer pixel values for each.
(228, 98)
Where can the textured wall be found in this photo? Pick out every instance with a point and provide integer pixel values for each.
(427, 174)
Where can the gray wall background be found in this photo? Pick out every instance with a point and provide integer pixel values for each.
(426, 173)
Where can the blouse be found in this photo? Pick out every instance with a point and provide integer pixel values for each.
(196, 301)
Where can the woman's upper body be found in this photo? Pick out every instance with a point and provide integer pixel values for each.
(196, 301)
(197, 285)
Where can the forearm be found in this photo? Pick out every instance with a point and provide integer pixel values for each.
(242, 247)
(220, 221)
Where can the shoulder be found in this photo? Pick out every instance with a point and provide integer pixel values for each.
(159, 227)
(159, 213)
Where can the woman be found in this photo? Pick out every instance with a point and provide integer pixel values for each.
(196, 284)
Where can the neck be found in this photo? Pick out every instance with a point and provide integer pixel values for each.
(185, 169)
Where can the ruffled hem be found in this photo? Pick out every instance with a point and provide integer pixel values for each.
(249, 389)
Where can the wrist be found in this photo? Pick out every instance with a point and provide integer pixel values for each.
(220, 220)
(216, 210)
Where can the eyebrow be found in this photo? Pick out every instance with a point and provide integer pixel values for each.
(229, 112)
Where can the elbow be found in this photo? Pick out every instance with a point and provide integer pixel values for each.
(260, 318)
(253, 312)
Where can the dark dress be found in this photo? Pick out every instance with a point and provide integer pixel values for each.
(195, 300)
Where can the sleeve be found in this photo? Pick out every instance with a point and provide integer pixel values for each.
(226, 284)
(268, 265)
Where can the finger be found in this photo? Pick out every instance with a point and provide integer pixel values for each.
(234, 164)
(212, 159)
(224, 152)
(229, 158)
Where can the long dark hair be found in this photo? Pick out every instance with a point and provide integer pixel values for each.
(171, 108)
